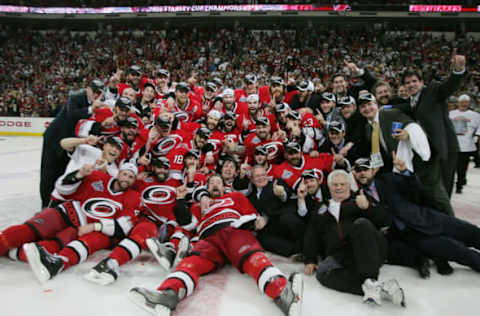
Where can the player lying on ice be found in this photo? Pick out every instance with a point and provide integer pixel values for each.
(223, 236)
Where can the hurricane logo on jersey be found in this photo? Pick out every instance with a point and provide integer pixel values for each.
(166, 144)
(273, 149)
(101, 208)
(159, 194)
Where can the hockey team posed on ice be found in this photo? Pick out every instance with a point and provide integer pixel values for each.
(342, 177)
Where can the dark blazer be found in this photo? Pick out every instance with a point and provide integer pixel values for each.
(323, 228)
(431, 112)
(386, 117)
(64, 124)
(399, 195)
(268, 203)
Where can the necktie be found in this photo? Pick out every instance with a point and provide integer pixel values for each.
(374, 192)
(375, 139)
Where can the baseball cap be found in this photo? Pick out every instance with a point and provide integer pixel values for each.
(162, 72)
(310, 173)
(129, 122)
(182, 86)
(162, 121)
(135, 69)
(347, 100)
(328, 96)
(281, 107)
(150, 83)
(276, 80)
(129, 166)
(229, 115)
(262, 121)
(294, 115)
(261, 150)
(211, 86)
(124, 103)
(366, 97)
(193, 152)
(218, 82)
(215, 114)
(337, 126)
(303, 85)
(364, 163)
(293, 147)
(250, 78)
(253, 98)
(228, 92)
(96, 85)
(114, 140)
(203, 132)
(161, 162)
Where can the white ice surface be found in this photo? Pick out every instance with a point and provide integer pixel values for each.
(225, 292)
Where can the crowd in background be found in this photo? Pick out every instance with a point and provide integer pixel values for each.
(40, 67)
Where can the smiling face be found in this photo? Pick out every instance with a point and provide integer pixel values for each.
(339, 85)
(129, 133)
(263, 131)
(335, 136)
(311, 184)
(326, 106)
(160, 172)
(347, 110)
(229, 171)
(364, 175)
(383, 94)
(369, 110)
(339, 187)
(413, 84)
(110, 152)
(125, 179)
(148, 94)
(259, 177)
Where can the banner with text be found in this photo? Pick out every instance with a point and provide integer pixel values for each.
(24, 126)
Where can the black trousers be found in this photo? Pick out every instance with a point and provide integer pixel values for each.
(433, 191)
(448, 168)
(53, 165)
(454, 243)
(283, 235)
(462, 167)
(361, 259)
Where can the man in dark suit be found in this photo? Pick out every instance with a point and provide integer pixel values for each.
(80, 105)
(283, 230)
(387, 142)
(434, 234)
(347, 229)
(428, 106)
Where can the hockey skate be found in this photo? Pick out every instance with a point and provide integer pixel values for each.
(104, 273)
(44, 265)
(159, 303)
(291, 299)
(182, 251)
(164, 255)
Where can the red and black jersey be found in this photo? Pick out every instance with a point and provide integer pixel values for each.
(275, 148)
(158, 198)
(292, 175)
(94, 200)
(226, 209)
